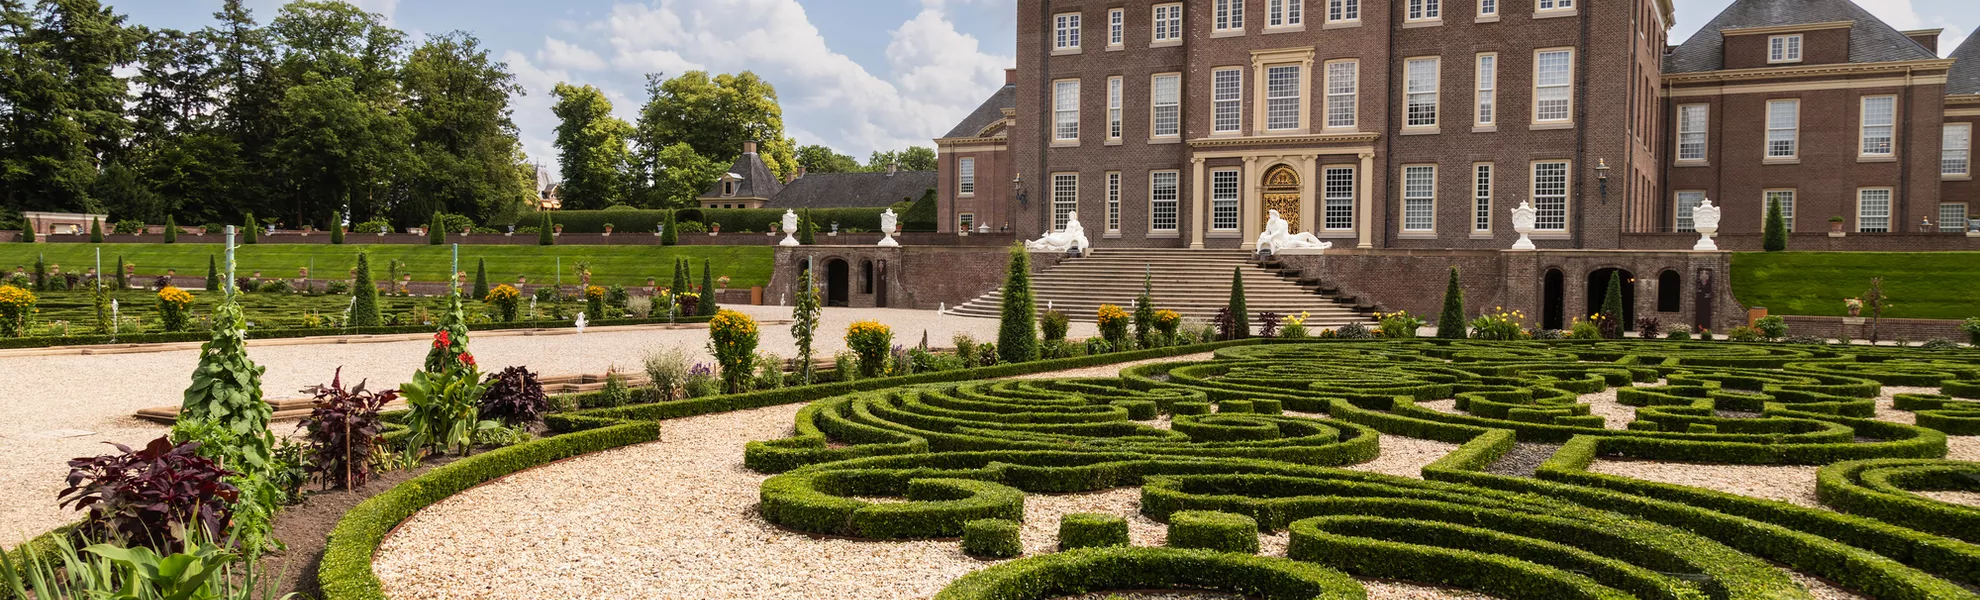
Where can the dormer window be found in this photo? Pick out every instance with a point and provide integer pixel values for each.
(1784, 49)
(729, 188)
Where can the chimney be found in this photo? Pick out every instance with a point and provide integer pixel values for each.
(1010, 76)
(800, 173)
(1929, 38)
(892, 168)
(749, 147)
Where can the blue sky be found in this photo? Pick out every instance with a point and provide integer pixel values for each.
(857, 75)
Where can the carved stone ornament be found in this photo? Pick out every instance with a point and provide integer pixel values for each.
(1523, 220)
(790, 228)
(1278, 236)
(1073, 236)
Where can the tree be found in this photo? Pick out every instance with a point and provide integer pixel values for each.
(27, 231)
(806, 230)
(64, 103)
(96, 231)
(668, 234)
(480, 278)
(123, 282)
(707, 306)
(252, 231)
(1775, 237)
(337, 228)
(41, 273)
(714, 116)
(462, 138)
(1451, 323)
(436, 230)
(914, 158)
(1612, 308)
(686, 175)
(1876, 301)
(364, 296)
(680, 281)
(1144, 311)
(1240, 318)
(804, 324)
(1017, 334)
(212, 274)
(546, 235)
(171, 230)
(591, 145)
(822, 159)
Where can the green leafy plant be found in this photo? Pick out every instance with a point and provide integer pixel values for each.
(871, 341)
(708, 306)
(1772, 327)
(669, 234)
(1500, 324)
(226, 389)
(96, 231)
(1610, 320)
(1397, 325)
(546, 234)
(171, 230)
(212, 274)
(337, 228)
(344, 433)
(1144, 312)
(1113, 325)
(436, 230)
(732, 339)
(1054, 324)
(804, 325)
(251, 233)
(444, 407)
(1972, 328)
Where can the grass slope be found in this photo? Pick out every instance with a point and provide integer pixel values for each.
(1920, 285)
(625, 265)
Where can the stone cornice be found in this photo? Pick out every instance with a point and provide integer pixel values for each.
(1317, 138)
(1963, 99)
(1795, 28)
(1778, 72)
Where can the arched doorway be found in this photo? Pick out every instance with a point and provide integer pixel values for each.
(1598, 290)
(1280, 192)
(1670, 287)
(1553, 300)
(866, 277)
(880, 284)
(837, 282)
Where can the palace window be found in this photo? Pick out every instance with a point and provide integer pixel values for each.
(1879, 117)
(1481, 197)
(1784, 48)
(1065, 31)
(1284, 13)
(1873, 209)
(1113, 202)
(1163, 192)
(1420, 81)
(1229, 15)
(1786, 198)
(1956, 154)
(1342, 11)
(1419, 198)
(1166, 106)
(1282, 97)
(1687, 202)
(1114, 108)
(1486, 108)
(1952, 216)
(1488, 8)
(1343, 85)
(1224, 200)
(1550, 191)
(966, 176)
(1065, 110)
(1065, 199)
(966, 221)
(1553, 86)
(1783, 128)
(1338, 198)
(1116, 27)
(1693, 119)
(1227, 100)
(1553, 5)
(1425, 10)
(1168, 23)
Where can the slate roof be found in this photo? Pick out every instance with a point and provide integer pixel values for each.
(1870, 40)
(1965, 75)
(991, 111)
(853, 190)
(756, 180)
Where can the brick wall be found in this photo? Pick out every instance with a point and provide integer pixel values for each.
(1912, 330)
(916, 277)
(1000, 240)
(1813, 242)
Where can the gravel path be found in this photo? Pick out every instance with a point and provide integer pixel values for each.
(1113, 370)
(1524, 460)
(1792, 484)
(1614, 415)
(65, 406)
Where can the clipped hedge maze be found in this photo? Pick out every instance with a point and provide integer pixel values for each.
(1253, 439)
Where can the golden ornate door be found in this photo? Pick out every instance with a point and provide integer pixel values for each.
(1281, 193)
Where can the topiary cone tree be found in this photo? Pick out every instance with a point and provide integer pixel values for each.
(1612, 308)
(680, 279)
(252, 234)
(1450, 323)
(546, 236)
(123, 283)
(1240, 318)
(1775, 237)
(27, 231)
(805, 227)
(337, 227)
(364, 296)
(668, 235)
(481, 278)
(1017, 334)
(96, 231)
(171, 230)
(1144, 311)
(707, 306)
(212, 274)
(436, 230)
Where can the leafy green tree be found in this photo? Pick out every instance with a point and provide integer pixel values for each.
(681, 277)
(1451, 323)
(436, 230)
(337, 228)
(41, 273)
(64, 104)
(1144, 312)
(913, 158)
(807, 229)
(707, 307)
(669, 235)
(1612, 308)
(118, 191)
(1240, 317)
(212, 274)
(804, 324)
(480, 278)
(714, 116)
(591, 145)
(686, 175)
(171, 230)
(1775, 238)
(96, 231)
(546, 235)
(823, 159)
(364, 296)
(251, 231)
(1017, 333)
(463, 141)
(226, 388)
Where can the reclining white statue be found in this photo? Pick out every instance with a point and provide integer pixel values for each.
(1278, 236)
(1073, 236)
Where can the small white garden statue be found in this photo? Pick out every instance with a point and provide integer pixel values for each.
(1278, 236)
(1072, 236)
(1523, 219)
(790, 228)
(888, 221)
(581, 322)
(1705, 219)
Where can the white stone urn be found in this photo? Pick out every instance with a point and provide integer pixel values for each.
(888, 220)
(790, 228)
(1523, 219)
(1705, 219)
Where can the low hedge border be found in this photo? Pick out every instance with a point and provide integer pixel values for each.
(1212, 530)
(1086, 530)
(1516, 567)
(1942, 412)
(1880, 489)
(1076, 572)
(282, 334)
(991, 538)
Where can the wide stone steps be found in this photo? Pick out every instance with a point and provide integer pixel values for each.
(1194, 283)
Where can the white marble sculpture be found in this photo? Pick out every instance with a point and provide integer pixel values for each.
(1705, 219)
(1073, 236)
(1278, 236)
(887, 223)
(1523, 218)
(790, 228)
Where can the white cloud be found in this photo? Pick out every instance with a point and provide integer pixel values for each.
(532, 110)
(389, 8)
(560, 54)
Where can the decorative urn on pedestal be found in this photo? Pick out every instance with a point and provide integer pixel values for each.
(790, 228)
(1523, 219)
(888, 220)
(1705, 219)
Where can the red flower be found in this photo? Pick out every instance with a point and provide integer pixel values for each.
(467, 359)
(440, 339)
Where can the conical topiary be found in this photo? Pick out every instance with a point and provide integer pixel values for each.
(707, 306)
(480, 278)
(546, 236)
(1775, 237)
(436, 230)
(212, 274)
(123, 283)
(1144, 311)
(1450, 324)
(337, 227)
(27, 231)
(171, 230)
(1612, 308)
(364, 294)
(805, 227)
(680, 279)
(253, 233)
(96, 231)
(1240, 318)
(41, 273)
(668, 236)
(1017, 334)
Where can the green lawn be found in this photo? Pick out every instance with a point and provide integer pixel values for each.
(139, 310)
(624, 265)
(1920, 285)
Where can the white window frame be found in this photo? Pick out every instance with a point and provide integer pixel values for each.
(966, 177)
(1876, 138)
(1113, 224)
(1284, 13)
(1167, 28)
(1694, 131)
(1683, 203)
(1864, 214)
(1338, 186)
(1065, 33)
(1956, 151)
(1343, 89)
(1564, 86)
(1226, 192)
(1116, 28)
(1424, 11)
(1411, 95)
(1483, 176)
(1227, 16)
(1065, 112)
(1787, 196)
(1156, 203)
(1488, 10)
(1276, 100)
(1065, 198)
(1552, 7)
(1545, 206)
(1778, 135)
(1227, 100)
(1485, 104)
(1419, 198)
(966, 221)
(1343, 12)
(1782, 49)
(1959, 220)
(1115, 92)
(1160, 127)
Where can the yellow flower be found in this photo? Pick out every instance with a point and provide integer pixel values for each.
(16, 297)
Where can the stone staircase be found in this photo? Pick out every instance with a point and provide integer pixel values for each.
(1195, 283)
